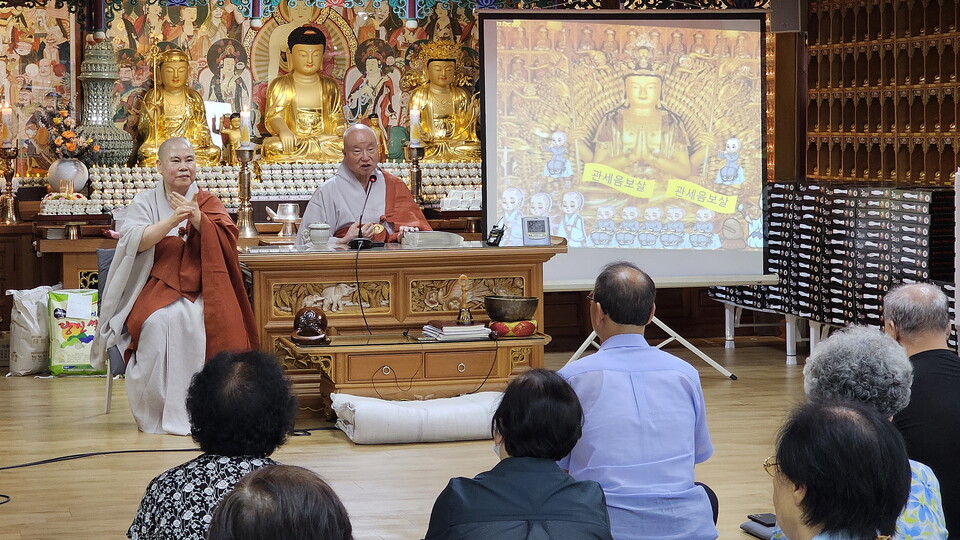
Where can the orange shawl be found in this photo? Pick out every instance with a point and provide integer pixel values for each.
(399, 209)
(206, 262)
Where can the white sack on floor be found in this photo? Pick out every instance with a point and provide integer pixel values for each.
(376, 421)
(30, 331)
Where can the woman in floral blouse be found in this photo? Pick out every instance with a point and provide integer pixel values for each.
(241, 410)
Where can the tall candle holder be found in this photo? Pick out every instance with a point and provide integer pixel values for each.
(415, 153)
(9, 206)
(245, 222)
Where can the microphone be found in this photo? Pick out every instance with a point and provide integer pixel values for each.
(361, 242)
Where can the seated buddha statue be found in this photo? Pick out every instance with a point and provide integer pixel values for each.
(173, 109)
(304, 112)
(448, 113)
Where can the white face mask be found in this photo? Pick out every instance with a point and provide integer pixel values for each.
(496, 449)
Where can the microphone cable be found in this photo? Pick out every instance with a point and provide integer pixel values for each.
(356, 260)
(356, 277)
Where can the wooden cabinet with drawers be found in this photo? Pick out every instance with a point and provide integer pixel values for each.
(394, 366)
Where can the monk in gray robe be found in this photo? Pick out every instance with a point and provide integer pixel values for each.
(174, 293)
(361, 187)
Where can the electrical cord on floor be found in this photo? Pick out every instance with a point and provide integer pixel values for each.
(295, 433)
(305, 432)
(4, 499)
(92, 454)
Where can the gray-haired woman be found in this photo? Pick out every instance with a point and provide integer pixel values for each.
(861, 364)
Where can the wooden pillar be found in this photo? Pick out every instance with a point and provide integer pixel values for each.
(790, 94)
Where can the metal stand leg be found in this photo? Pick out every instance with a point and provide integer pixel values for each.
(674, 336)
(109, 398)
(729, 325)
(591, 340)
(791, 340)
(691, 347)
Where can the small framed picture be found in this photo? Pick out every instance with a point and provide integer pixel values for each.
(536, 231)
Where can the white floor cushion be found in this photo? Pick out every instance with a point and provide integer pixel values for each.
(376, 421)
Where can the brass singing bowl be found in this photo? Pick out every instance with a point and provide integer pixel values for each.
(510, 308)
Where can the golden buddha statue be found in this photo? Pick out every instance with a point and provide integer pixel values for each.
(172, 109)
(448, 113)
(229, 132)
(382, 142)
(304, 112)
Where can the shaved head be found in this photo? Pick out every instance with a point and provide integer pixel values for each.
(173, 142)
(177, 164)
(355, 130)
(361, 152)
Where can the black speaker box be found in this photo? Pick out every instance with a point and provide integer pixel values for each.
(789, 15)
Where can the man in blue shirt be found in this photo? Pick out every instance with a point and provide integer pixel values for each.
(645, 424)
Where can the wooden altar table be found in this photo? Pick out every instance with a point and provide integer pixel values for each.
(401, 290)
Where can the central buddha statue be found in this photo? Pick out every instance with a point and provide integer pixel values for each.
(304, 110)
(448, 113)
(173, 109)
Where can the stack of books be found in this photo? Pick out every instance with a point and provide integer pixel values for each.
(451, 331)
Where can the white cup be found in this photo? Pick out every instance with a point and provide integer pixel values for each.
(319, 235)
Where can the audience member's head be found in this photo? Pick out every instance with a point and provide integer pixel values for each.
(839, 468)
(539, 416)
(240, 404)
(624, 294)
(281, 501)
(912, 312)
(860, 364)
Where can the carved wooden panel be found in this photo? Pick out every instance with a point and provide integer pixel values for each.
(520, 359)
(88, 279)
(430, 295)
(332, 297)
(290, 359)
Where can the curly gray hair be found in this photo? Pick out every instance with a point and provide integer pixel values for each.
(861, 364)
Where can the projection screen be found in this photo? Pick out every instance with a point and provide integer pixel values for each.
(639, 134)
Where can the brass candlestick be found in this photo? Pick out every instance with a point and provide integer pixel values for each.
(414, 155)
(9, 206)
(245, 223)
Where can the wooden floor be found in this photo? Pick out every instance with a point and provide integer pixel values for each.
(388, 490)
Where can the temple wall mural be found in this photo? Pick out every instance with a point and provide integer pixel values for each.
(369, 52)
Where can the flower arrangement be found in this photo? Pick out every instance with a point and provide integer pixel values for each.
(65, 142)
